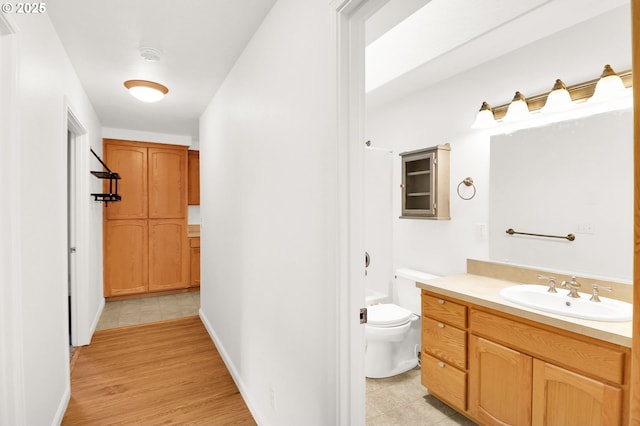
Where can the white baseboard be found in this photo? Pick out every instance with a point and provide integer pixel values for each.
(232, 369)
(62, 407)
(96, 319)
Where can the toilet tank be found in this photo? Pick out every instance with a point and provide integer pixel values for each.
(408, 295)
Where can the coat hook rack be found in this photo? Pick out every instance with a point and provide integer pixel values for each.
(113, 177)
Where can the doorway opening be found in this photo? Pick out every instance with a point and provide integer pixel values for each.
(71, 225)
(75, 232)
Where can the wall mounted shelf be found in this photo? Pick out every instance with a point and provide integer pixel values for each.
(425, 183)
(112, 195)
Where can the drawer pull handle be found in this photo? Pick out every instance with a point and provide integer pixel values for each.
(440, 364)
(440, 301)
(441, 325)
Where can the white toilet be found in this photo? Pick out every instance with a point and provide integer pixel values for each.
(392, 332)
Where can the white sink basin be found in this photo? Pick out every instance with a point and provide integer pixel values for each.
(536, 297)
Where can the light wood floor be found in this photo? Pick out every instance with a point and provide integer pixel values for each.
(167, 372)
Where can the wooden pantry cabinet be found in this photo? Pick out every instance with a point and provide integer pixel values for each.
(520, 372)
(194, 178)
(194, 262)
(145, 235)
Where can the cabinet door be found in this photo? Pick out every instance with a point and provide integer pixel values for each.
(167, 183)
(418, 184)
(126, 262)
(499, 384)
(168, 254)
(561, 397)
(195, 267)
(130, 162)
(194, 178)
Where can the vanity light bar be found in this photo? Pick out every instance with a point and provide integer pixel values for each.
(578, 92)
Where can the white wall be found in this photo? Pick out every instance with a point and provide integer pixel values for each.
(572, 177)
(140, 136)
(444, 112)
(47, 86)
(264, 150)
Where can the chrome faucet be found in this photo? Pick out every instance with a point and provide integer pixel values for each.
(573, 287)
(595, 295)
(552, 283)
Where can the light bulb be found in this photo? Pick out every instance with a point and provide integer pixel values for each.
(518, 109)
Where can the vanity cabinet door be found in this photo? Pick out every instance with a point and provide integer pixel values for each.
(499, 384)
(561, 397)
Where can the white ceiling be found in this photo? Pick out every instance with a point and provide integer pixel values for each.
(446, 37)
(200, 41)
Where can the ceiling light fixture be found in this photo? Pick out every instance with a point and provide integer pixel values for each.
(146, 91)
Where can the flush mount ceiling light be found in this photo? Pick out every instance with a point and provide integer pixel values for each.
(146, 91)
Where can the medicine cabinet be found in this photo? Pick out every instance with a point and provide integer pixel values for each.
(425, 183)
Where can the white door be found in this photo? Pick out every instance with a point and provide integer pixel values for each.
(71, 227)
(378, 242)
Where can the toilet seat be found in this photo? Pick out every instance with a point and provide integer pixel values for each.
(387, 315)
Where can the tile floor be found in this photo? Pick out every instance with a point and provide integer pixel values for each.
(148, 309)
(402, 400)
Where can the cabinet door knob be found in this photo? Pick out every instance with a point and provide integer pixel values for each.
(440, 301)
(440, 364)
(441, 325)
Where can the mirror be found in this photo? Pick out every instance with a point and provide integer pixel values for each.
(572, 177)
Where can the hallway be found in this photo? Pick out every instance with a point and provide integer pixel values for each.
(166, 372)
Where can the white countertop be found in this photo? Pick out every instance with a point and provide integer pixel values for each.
(484, 291)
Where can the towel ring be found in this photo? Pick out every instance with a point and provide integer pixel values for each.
(467, 182)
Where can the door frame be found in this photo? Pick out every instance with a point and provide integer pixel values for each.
(634, 397)
(349, 40)
(348, 23)
(80, 318)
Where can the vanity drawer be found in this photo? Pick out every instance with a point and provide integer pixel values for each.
(445, 381)
(593, 359)
(444, 310)
(445, 342)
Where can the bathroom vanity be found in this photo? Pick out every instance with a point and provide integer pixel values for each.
(500, 363)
